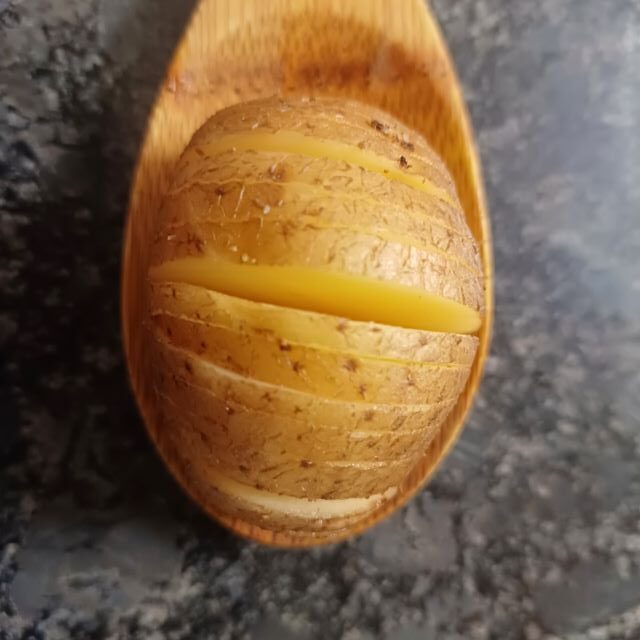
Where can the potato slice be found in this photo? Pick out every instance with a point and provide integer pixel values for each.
(324, 373)
(295, 326)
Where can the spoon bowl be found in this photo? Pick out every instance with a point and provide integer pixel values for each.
(388, 54)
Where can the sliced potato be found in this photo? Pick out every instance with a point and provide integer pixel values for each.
(324, 373)
(298, 327)
(287, 475)
(237, 427)
(333, 250)
(228, 499)
(318, 207)
(176, 366)
(313, 294)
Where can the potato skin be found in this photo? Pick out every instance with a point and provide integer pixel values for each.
(305, 407)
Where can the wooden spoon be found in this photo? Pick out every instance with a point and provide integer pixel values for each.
(386, 53)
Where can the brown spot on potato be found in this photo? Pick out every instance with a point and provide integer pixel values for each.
(362, 390)
(286, 229)
(267, 397)
(297, 410)
(378, 126)
(195, 241)
(277, 172)
(297, 366)
(369, 415)
(188, 367)
(351, 365)
(305, 464)
(203, 345)
(341, 326)
(229, 410)
(243, 468)
(284, 345)
(404, 164)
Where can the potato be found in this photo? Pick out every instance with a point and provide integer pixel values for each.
(290, 393)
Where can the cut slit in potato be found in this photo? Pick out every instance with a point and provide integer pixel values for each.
(289, 142)
(300, 507)
(178, 372)
(346, 296)
(285, 325)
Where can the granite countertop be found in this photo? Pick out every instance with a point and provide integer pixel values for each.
(530, 530)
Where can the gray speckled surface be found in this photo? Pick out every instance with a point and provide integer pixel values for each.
(532, 527)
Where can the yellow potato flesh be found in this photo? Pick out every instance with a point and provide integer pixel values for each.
(336, 294)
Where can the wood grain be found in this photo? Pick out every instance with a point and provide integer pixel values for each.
(386, 53)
